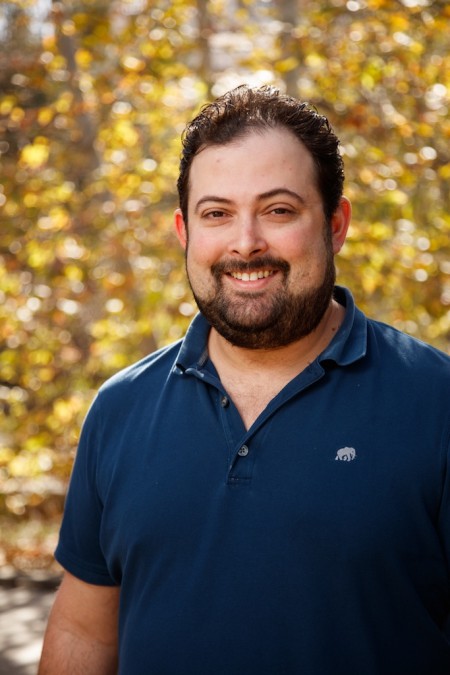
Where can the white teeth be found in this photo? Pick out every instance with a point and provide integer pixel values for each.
(253, 276)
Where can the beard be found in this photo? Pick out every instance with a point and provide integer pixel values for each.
(259, 320)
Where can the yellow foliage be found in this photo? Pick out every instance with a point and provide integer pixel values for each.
(125, 133)
(45, 116)
(17, 115)
(35, 155)
(65, 409)
(6, 455)
(7, 104)
(286, 65)
(314, 60)
(68, 28)
(30, 200)
(64, 103)
(57, 219)
(41, 357)
(425, 130)
(63, 191)
(367, 81)
(24, 465)
(381, 231)
(46, 374)
(396, 197)
(39, 257)
(83, 58)
(148, 49)
(444, 171)
(133, 64)
(73, 272)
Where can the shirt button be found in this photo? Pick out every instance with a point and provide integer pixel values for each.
(224, 402)
(243, 451)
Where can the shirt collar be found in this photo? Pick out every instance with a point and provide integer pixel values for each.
(194, 348)
(347, 346)
(350, 342)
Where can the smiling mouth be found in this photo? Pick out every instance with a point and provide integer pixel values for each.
(256, 270)
(252, 276)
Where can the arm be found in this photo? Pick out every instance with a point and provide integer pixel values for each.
(81, 635)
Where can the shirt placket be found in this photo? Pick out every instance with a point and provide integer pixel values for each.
(241, 444)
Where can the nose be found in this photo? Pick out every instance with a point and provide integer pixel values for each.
(248, 239)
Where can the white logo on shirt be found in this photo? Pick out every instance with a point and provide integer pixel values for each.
(346, 454)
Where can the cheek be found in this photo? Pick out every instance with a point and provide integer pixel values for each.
(308, 259)
(202, 250)
(296, 249)
(296, 241)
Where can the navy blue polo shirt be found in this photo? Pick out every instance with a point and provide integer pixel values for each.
(315, 543)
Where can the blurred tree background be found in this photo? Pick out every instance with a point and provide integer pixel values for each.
(94, 95)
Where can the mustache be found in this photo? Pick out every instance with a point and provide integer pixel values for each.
(263, 262)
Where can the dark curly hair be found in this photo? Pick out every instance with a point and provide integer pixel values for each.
(244, 108)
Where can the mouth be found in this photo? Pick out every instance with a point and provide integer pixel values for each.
(252, 276)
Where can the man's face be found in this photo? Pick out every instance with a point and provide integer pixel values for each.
(259, 255)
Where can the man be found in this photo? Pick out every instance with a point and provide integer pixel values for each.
(270, 495)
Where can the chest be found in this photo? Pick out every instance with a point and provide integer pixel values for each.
(308, 476)
(251, 395)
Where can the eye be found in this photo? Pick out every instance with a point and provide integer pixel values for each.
(281, 213)
(214, 214)
(281, 210)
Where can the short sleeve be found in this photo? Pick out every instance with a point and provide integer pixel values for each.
(444, 512)
(79, 548)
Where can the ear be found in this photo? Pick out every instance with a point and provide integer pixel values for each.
(340, 221)
(180, 228)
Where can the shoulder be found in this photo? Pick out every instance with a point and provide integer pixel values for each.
(144, 375)
(404, 344)
(406, 353)
(137, 389)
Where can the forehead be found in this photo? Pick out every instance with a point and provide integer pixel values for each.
(254, 163)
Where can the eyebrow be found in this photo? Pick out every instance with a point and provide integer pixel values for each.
(264, 195)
